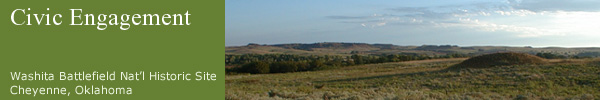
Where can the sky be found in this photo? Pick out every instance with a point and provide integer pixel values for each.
(537, 23)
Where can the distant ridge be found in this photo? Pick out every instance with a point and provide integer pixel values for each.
(332, 45)
(346, 49)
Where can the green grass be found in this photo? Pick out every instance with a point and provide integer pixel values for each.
(424, 80)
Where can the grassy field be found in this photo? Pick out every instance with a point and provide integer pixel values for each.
(429, 79)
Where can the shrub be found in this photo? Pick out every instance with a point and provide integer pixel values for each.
(257, 67)
(284, 67)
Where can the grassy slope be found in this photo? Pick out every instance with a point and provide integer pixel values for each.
(424, 80)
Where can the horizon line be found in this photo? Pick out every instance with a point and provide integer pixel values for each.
(476, 45)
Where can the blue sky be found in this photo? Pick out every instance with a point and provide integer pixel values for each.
(538, 23)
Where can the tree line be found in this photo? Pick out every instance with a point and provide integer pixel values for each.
(557, 56)
(550, 56)
(283, 63)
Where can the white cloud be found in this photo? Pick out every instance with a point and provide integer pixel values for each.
(484, 13)
(578, 23)
(516, 12)
(557, 5)
(475, 24)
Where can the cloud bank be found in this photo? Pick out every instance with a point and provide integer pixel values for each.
(497, 16)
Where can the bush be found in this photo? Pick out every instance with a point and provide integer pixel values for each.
(550, 56)
(284, 67)
(257, 67)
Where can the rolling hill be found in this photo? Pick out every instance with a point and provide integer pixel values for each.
(346, 49)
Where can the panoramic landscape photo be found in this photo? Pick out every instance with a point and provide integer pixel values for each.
(401, 49)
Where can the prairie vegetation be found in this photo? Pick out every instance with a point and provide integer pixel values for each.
(426, 79)
(499, 59)
(283, 63)
(357, 71)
